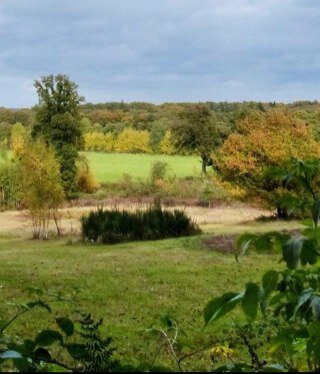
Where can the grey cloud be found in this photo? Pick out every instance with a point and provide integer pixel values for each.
(161, 51)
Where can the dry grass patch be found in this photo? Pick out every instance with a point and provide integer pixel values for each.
(17, 222)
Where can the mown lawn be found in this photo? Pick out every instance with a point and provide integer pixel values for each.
(110, 167)
(129, 285)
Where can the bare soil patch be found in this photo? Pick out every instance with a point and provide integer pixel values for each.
(220, 243)
(226, 243)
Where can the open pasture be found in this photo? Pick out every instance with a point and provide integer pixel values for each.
(131, 285)
(110, 167)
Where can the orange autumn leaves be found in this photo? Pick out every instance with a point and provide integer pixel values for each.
(265, 139)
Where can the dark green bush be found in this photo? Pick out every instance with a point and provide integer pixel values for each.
(114, 226)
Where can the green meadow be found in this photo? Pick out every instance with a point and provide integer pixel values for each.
(131, 285)
(110, 167)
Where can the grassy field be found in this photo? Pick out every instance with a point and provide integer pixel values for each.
(110, 167)
(131, 285)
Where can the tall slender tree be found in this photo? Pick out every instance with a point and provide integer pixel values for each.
(57, 121)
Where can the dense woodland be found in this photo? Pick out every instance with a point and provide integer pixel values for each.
(156, 119)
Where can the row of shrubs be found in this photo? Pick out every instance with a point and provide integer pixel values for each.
(193, 189)
(128, 141)
(114, 226)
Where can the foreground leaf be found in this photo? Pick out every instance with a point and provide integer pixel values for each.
(218, 307)
(309, 254)
(292, 252)
(250, 301)
(270, 282)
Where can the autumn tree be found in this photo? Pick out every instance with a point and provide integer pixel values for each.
(19, 137)
(265, 140)
(10, 196)
(40, 185)
(166, 145)
(132, 141)
(196, 132)
(98, 142)
(58, 122)
(312, 118)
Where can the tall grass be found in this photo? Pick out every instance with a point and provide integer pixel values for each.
(114, 226)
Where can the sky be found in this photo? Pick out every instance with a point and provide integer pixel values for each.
(162, 50)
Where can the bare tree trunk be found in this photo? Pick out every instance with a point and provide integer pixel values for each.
(57, 224)
(204, 165)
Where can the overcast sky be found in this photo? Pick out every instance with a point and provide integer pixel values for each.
(162, 50)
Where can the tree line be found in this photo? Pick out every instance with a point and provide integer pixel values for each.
(156, 119)
(240, 141)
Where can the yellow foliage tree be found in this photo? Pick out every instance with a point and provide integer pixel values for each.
(41, 186)
(132, 141)
(166, 145)
(99, 142)
(19, 137)
(128, 141)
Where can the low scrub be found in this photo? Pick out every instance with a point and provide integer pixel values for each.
(114, 226)
(84, 179)
(206, 191)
